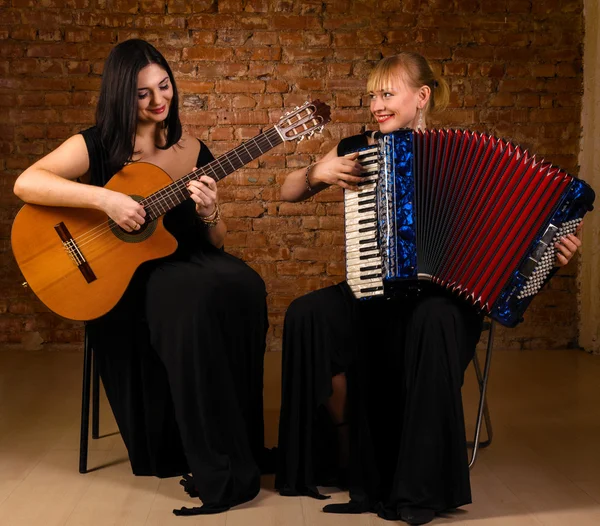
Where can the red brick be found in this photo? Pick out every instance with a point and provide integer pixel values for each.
(218, 70)
(243, 210)
(102, 35)
(241, 86)
(78, 68)
(266, 254)
(310, 84)
(455, 69)
(346, 84)
(243, 117)
(531, 100)
(195, 86)
(316, 254)
(307, 54)
(207, 53)
(221, 134)
(294, 268)
(276, 86)
(53, 50)
(211, 22)
(152, 6)
(29, 132)
(253, 22)
(23, 33)
(502, 99)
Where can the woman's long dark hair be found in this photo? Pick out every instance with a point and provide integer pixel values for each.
(117, 110)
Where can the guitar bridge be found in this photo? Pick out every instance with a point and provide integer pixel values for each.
(74, 252)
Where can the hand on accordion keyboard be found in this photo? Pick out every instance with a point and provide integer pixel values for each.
(566, 247)
(340, 171)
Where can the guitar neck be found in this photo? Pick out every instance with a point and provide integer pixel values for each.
(167, 198)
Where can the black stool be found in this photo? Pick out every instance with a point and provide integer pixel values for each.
(90, 376)
(483, 413)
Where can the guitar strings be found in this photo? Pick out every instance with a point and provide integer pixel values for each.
(156, 200)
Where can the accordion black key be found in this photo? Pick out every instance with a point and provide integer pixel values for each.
(464, 210)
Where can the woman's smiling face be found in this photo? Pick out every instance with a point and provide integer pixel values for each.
(397, 104)
(154, 94)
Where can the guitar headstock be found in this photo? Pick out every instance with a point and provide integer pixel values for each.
(303, 121)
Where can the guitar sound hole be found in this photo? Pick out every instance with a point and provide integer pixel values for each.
(136, 232)
(135, 236)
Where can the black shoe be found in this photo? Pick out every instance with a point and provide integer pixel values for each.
(412, 515)
(189, 486)
(352, 507)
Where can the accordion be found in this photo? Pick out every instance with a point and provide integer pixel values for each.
(467, 211)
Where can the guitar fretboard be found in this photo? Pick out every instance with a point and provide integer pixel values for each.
(170, 196)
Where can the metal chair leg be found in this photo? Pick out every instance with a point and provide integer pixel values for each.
(85, 405)
(483, 413)
(95, 397)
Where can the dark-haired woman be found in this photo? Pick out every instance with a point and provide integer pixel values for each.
(372, 390)
(181, 355)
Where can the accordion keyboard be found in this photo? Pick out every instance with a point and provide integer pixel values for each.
(363, 256)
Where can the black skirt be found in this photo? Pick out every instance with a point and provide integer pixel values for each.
(181, 359)
(404, 360)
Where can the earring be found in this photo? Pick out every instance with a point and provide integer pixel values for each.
(420, 121)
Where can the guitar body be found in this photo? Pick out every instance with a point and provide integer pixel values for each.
(111, 255)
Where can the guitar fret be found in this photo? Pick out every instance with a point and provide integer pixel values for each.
(248, 153)
(229, 161)
(267, 137)
(183, 192)
(257, 145)
(214, 176)
(222, 169)
(242, 163)
(167, 195)
(176, 194)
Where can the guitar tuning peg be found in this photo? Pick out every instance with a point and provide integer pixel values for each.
(296, 108)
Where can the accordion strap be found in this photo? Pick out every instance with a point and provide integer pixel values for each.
(353, 143)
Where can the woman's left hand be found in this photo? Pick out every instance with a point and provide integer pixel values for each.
(566, 247)
(204, 193)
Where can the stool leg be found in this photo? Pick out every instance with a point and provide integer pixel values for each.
(483, 411)
(85, 406)
(95, 397)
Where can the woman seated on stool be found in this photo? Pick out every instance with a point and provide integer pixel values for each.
(181, 354)
(371, 394)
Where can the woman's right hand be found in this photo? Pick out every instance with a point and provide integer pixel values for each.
(340, 171)
(124, 211)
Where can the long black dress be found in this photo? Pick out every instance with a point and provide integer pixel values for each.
(404, 360)
(181, 360)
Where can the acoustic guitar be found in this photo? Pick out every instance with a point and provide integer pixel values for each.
(79, 262)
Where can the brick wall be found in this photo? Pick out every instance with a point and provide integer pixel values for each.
(514, 69)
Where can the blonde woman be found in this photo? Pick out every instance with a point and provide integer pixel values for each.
(371, 396)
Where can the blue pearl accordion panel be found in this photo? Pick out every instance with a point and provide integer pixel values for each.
(395, 207)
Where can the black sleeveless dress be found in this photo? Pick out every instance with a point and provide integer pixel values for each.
(181, 360)
(404, 361)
